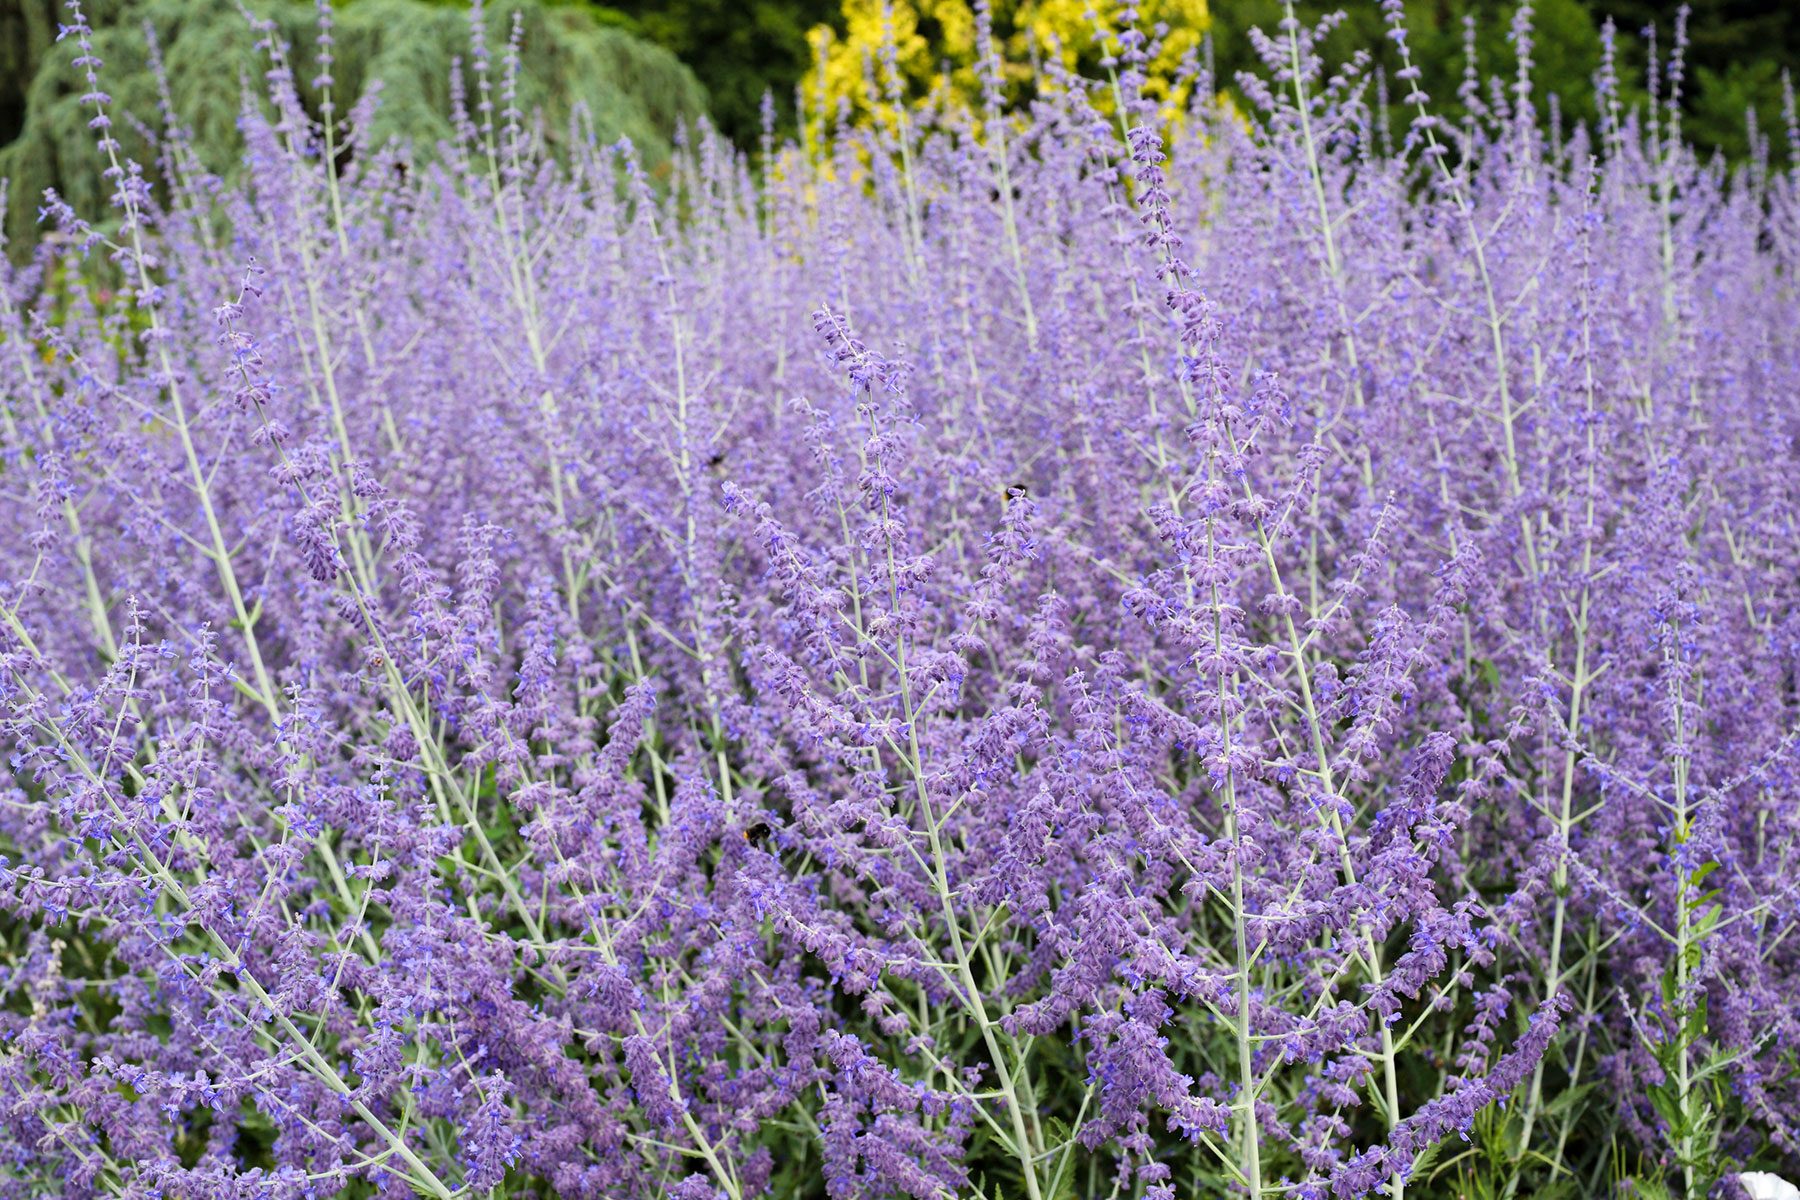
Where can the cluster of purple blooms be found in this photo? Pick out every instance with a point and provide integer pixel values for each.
(1084, 652)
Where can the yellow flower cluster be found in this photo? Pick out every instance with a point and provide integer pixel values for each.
(932, 45)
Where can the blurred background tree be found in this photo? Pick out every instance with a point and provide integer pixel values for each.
(572, 56)
(642, 67)
(740, 51)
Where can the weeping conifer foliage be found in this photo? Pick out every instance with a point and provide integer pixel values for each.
(569, 61)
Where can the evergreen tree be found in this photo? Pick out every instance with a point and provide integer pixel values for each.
(570, 60)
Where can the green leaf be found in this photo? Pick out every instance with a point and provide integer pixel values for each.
(1667, 1104)
(1569, 1098)
(1649, 1189)
(1422, 1164)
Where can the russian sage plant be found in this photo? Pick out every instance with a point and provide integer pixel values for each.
(1079, 651)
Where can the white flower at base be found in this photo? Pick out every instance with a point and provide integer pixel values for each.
(1763, 1186)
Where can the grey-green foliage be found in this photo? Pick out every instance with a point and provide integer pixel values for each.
(629, 87)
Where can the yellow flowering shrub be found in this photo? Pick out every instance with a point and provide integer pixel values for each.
(934, 46)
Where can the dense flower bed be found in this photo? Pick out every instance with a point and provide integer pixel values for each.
(1067, 654)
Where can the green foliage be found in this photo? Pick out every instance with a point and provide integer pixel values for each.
(1565, 52)
(1735, 58)
(1496, 1158)
(738, 50)
(1718, 115)
(570, 60)
(1692, 1096)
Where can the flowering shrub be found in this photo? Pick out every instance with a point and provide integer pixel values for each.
(1019, 660)
(936, 49)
